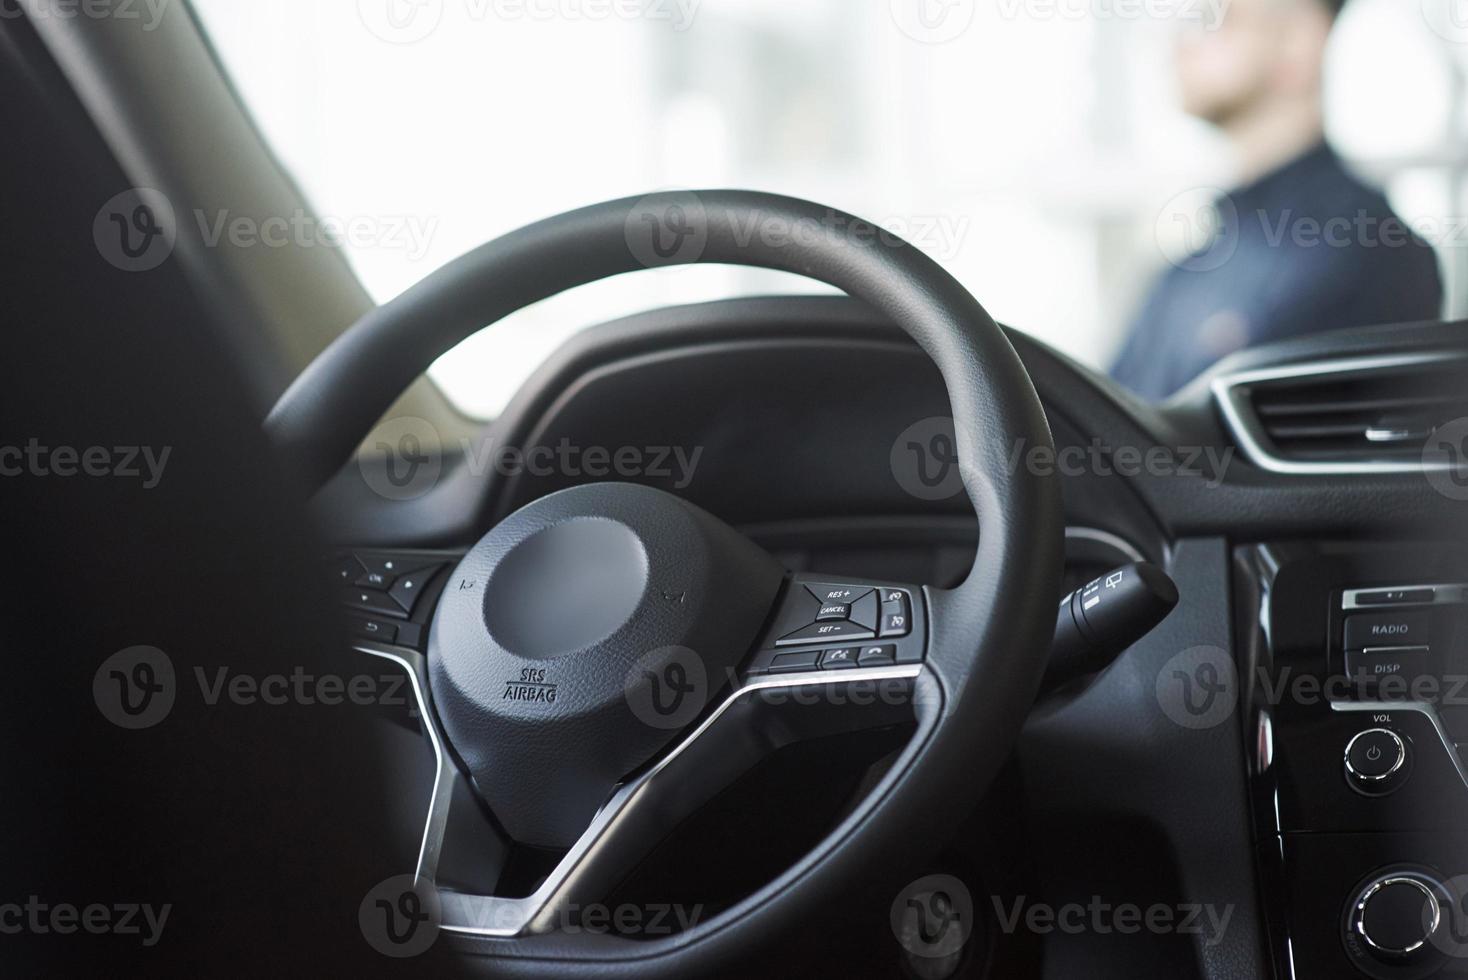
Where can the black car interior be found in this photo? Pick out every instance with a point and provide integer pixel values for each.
(1199, 655)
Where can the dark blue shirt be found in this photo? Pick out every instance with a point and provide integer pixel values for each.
(1308, 247)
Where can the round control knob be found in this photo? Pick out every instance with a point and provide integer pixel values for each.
(1377, 761)
(1397, 915)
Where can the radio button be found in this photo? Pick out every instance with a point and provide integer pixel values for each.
(1387, 629)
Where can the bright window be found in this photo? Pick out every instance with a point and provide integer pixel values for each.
(1031, 153)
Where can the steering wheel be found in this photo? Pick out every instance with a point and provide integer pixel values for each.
(563, 632)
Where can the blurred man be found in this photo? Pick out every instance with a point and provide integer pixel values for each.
(1301, 245)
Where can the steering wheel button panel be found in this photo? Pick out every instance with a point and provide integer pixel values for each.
(874, 612)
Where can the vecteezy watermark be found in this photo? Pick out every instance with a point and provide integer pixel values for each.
(1199, 230)
(136, 230)
(148, 13)
(135, 688)
(1448, 19)
(1198, 688)
(400, 917)
(411, 21)
(933, 917)
(933, 21)
(40, 918)
(1102, 918)
(138, 687)
(145, 463)
(1451, 915)
(407, 457)
(673, 228)
(1205, 14)
(1201, 687)
(924, 460)
(1445, 459)
(668, 687)
(410, 234)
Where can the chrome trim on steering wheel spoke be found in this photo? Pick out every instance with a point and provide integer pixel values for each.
(631, 809)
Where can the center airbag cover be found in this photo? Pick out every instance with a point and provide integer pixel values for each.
(579, 637)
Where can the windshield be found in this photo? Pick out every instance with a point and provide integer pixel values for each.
(1141, 183)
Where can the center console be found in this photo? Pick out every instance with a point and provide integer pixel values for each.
(1355, 678)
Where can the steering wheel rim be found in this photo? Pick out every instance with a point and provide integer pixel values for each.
(987, 637)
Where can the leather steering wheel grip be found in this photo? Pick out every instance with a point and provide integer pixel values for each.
(988, 636)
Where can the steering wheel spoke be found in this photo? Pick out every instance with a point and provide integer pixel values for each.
(759, 714)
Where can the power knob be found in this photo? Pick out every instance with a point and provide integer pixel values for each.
(1377, 761)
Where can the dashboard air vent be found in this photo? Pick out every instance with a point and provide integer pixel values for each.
(1355, 415)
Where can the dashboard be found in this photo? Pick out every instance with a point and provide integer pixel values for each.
(1251, 755)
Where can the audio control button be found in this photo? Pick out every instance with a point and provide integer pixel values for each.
(1397, 915)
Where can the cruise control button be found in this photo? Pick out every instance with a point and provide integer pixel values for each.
(800, 660)
(839, 658)
(370, 600)
(833, 610)
(838, 593)
(817, 632)
(864, 611)
(405, 593)
(1387, 629)
(884, 655)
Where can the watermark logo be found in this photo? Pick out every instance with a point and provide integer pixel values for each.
(1198, 230)
(1445, 459)
(932, 21)
(924, 459)
(136, 230)
(1448, 19)
(135, 688)
(667, 688)
(1199, 687)
(400, 21)
(405, 458)
(933, 917)
(667, 229)
(400, 917)
(1451, 935)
